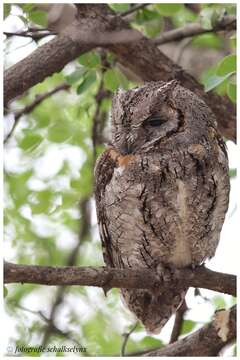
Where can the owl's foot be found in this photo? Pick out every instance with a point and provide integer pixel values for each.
(165, 273)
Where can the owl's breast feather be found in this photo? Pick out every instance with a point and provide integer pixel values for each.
(182, 253)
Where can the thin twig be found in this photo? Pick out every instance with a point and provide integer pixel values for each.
(141, 56)
(133, 9)
(35, 312)
(34, 35)
(176, 331)
(197, 292)
(72, 260)
(126, 337)
(29, 108)
(98, 118)
(66, 334)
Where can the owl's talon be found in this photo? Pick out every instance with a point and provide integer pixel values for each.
(164, 273)
(105, 289)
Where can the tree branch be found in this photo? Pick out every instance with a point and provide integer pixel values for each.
(126, 337)
(150, 64)
(139, 55)
(178, 322)
(226, 24)
(119, 278)
(44, 61)
(71, 260)
(207, 341)
(34, 35)
(28, 108)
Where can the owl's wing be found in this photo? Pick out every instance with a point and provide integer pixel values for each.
(103, 174)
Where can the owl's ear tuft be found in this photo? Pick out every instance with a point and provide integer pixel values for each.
(169, 86)
(120, 92)
(119, 96)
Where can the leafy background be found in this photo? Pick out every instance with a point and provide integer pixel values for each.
(49, 209)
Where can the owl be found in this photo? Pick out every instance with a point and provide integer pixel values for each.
(161, 190)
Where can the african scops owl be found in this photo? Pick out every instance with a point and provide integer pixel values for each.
(162, 190)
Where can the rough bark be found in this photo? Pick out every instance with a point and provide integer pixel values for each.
(207, 341)
(44, 61)
(141, 56)
(120, 278)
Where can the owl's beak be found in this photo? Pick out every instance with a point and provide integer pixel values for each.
(125, 150)
(123, 144)
(125, 147)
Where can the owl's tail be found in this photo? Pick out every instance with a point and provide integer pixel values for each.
(154, 309)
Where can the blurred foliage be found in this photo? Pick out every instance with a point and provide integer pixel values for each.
(49, 163)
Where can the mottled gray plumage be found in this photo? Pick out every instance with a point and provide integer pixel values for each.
(161, 190)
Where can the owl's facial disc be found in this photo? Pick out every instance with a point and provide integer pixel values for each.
(159, 126)
(142, 117)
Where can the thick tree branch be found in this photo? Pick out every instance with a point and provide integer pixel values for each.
(150, 64)
(119, 278)
(226, 24)
(207, 341)
(139, 55)
(44, 61)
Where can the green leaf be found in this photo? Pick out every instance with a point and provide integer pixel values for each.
(184, 16)
(105, 105)
(145, 15)
(110, 80)
(168, 9)
(154, 27)
(113, 78)
(89, 80)
(6, 10)
(233, 41)
(151, 342)
(119, 7)
(75, 184)
(18, 188)
(5, 291)
(75, 75)
(209, 40)
(69, 199)
(38, 17)
(27, 7)
(232, 91)
(227, 65)
(30, 141)
(219, 302)
(43, 202)
(59, 132)
(214, 81)
(206, 17)
(188, 325)
(232, 173)
(91, 59)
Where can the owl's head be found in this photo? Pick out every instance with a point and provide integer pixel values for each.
(158, 114)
